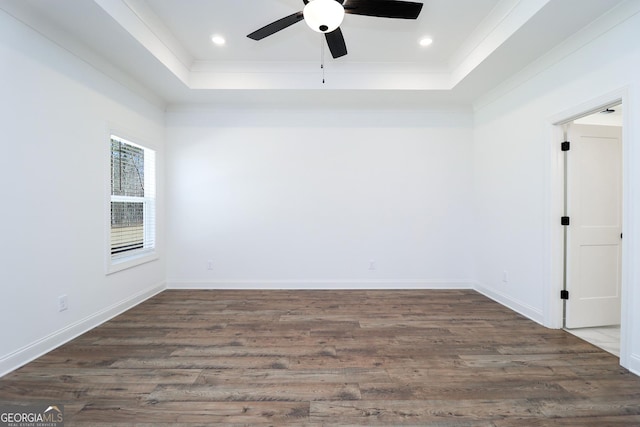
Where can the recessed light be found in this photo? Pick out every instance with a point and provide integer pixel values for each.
(426, 41)
(218, 40)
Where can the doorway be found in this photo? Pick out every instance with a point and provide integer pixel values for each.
(593, 228)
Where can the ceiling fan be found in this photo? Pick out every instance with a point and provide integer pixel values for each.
(325, 16)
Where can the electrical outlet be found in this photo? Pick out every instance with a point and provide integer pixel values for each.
(210, 264)
(505, 276)
(372, 265)
(63, 303)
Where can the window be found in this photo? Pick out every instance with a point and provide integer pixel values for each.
(133, 202)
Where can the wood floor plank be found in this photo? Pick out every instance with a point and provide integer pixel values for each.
(620, 403)
(70, 375)
(240, 391)
(13, 390)
(244, 351)
(109, 413)
(228, 362)
(597, 421)
(316, 358)
(291, 376)
(516, 388)
(460, 412)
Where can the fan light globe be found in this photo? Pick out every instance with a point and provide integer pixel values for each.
(323, 16)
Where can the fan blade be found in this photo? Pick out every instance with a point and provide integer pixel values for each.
(384, 8)
(276, 26)
(336, 43)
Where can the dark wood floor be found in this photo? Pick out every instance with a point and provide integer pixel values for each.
(445, 358)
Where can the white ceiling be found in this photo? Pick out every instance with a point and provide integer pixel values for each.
(163, 48)
(611, 116)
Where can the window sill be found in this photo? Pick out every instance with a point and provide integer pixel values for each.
(131, 261)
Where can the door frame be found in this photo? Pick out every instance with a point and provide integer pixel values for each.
(553, 310)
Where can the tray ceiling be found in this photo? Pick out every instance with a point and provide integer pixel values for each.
(164, 47)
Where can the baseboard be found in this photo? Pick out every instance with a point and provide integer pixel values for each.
(519, 307)
(634, 364)
(319, 284)
(30, 352)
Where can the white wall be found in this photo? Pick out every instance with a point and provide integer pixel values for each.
(513, 156)
(54, 118)
(307, 199)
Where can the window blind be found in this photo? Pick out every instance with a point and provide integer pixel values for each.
(133, 199)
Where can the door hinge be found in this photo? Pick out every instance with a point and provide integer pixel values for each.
(565, 146)
(564, 294)
(565, 220)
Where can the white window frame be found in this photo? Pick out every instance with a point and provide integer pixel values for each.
(149, 252)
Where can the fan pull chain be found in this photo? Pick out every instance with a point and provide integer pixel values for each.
(322, 56)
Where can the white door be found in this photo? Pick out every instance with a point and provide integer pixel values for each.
(594, 247)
